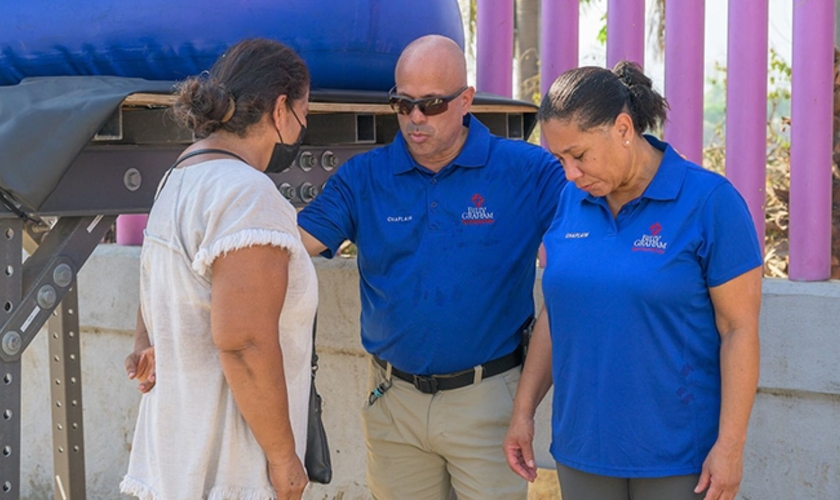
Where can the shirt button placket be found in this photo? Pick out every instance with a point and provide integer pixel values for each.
(434, 216)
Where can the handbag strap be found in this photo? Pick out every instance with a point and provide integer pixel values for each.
(190, 155)
(314, 354)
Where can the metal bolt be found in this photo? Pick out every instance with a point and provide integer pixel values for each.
(287, 191)
(308, 192)
(12, 343)
(132, 179)
(63, 275)
(329, 160)
(306, 161)
(46, 296)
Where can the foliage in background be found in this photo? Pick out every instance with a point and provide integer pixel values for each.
(777, 215)
(602, 33)
(657, 28)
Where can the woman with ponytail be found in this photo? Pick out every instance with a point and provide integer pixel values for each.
(652, 289)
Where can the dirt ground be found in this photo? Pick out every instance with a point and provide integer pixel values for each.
(545, 487)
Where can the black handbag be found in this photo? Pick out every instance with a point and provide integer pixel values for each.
(317, 460)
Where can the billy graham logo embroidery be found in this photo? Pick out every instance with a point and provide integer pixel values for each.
(651, 242)
(477, 214)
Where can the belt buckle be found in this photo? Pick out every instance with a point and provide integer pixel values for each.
(426, 385)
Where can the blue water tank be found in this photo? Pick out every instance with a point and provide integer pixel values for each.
(347, 44)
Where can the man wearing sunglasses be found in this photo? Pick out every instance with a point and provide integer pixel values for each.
(447, 220)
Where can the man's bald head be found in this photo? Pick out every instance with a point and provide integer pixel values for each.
(430, 68)
(433, 56)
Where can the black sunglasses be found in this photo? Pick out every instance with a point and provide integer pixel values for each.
(429, 106)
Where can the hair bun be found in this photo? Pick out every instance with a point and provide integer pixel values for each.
(241, 87)
(631, 75)
(204, 105)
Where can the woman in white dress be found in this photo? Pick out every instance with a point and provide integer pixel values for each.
(227, 294)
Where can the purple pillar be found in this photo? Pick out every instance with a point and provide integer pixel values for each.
(130, 228)
(559, 35)
(558, 39)
(494, 58)
(684, 76)
(810, 142)
(626, 31)
(746, 110)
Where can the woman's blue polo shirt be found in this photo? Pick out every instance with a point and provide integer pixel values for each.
(636, 353)
(447, 260)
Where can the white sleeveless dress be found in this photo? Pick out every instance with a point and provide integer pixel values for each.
(191, 442)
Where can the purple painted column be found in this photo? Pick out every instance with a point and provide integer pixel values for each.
(559, 33)
(494, 58)
(746, 111)
(129, 230)
(684, 76)
(626, 31)
(810, 142)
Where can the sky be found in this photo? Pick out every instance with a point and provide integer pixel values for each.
(593, 53)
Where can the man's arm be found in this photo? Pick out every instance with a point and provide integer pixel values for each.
(330, 219)
(314, 247)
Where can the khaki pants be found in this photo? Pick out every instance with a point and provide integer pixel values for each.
(424, 446)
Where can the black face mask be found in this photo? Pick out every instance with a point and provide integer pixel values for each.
(284, 154)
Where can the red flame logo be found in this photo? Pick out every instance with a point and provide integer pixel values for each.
(478, 200)
(655, 228)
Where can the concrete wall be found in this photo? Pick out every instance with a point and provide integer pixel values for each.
(793, 445)
(793, 448)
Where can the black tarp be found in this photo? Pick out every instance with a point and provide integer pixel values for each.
(46, 122)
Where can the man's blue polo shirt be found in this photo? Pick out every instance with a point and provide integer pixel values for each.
(446, 260)
(636, 352)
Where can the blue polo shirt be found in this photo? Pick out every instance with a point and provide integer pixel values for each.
(447, 260)
(636, 353)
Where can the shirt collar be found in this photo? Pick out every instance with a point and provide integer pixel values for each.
(474, 153)
(667, 181)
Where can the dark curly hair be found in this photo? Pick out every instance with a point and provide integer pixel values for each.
(594, 96)
(240, 88)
